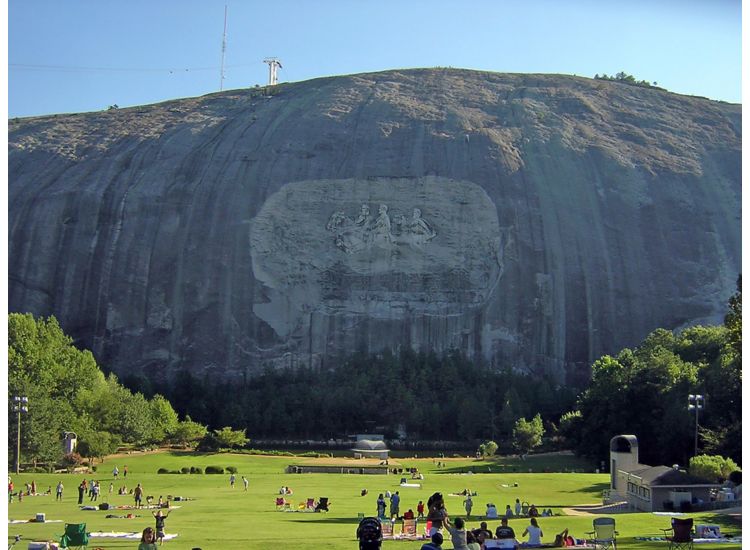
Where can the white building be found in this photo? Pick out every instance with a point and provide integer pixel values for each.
(651, 488)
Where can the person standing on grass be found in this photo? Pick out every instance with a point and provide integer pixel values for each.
(81, 491)
(245, 482)
(232, 480)
(138, 496)
(115, 472)
(381, 506)
(468, 504)
(160, 525)
(395, 501)
(59, 490)
(125, 471)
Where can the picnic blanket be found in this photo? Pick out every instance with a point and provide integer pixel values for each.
(721, 540)
(123, 535)
(410, 485)
(33, 520)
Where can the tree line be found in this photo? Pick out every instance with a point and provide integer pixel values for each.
(641, 391)
(67, 392)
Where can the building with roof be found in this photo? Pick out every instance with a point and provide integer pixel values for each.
(652, 488)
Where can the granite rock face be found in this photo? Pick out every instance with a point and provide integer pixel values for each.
(534, 221)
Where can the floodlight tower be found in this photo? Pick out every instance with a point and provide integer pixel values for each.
(273, 65)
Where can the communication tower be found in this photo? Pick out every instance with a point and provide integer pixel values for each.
(273, 65)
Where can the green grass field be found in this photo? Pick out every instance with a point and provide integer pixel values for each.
(228, 519)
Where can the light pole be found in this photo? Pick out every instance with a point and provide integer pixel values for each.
(695, 402)
(21, 405)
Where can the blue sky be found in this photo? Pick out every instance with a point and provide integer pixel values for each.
(84, 55)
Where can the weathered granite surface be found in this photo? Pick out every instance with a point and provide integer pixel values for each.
(536, 221)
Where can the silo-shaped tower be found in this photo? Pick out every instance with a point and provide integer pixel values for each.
(623, 455)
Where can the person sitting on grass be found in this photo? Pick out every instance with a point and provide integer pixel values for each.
(562, 539)
(436, 542)
(472, 543)
(483, 530)
(148, 540)
(504, 531)
(534, 532)
(409, 514)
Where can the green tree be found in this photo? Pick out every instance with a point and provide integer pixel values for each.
(528, 434)
(95, 444)
(227, 437)
(163, 419)
(712, 467)
(487, 449)
(187, 432)
(733, 320)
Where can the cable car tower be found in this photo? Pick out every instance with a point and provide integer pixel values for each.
(273, 65)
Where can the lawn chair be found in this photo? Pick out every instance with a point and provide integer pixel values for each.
(427, 528)
(322, 505)
(387, 529)
(75, 536)
(309, 506)
(682, 534)
(409, 529)
(604, 535)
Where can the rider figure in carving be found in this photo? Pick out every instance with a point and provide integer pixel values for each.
(381, 230)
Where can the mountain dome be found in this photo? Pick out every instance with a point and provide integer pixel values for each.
(532, 221)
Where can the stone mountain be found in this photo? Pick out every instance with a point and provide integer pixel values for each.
(533, 221)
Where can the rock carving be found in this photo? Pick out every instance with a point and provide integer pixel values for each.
(352, 236)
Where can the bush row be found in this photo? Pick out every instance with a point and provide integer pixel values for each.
(198, 470)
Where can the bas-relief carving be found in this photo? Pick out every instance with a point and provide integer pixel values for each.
(434, 248)
(361, 234)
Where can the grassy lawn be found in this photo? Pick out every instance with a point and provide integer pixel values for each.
(221, 517)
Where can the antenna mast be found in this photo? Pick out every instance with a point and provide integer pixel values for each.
(273, 65)
(223, 49)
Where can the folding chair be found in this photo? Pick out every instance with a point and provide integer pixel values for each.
(387, 529)
(75, 536)
(604, 534)
(682, 534)
(281, 503)
(409, 529)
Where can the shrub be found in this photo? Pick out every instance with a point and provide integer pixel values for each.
(185, 470)
(93, 468)
(195, 470)
(232, 469)
(214, 470)
(162, 471)
(71, 460)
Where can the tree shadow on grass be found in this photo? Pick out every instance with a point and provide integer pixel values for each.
(595, 489)
(324, 518)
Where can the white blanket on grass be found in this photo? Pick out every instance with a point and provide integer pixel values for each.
(34, 521)
(123, 535)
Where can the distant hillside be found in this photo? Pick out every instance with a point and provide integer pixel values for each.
(536, 221)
